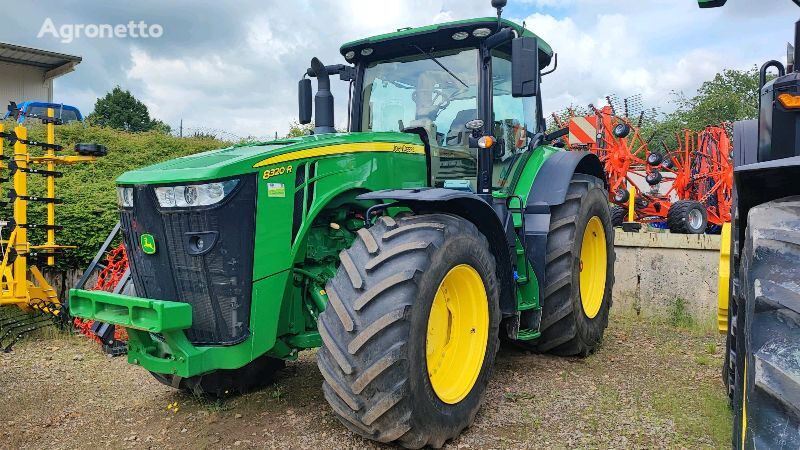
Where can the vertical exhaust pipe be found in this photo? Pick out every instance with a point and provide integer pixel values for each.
(323, 100)
(796, 49)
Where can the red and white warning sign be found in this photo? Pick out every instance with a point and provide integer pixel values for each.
(583, 130)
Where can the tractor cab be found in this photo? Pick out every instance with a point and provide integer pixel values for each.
(461, 86)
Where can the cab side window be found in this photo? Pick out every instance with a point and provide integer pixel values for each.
(514, 121)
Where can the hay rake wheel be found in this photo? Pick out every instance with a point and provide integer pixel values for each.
(704, 171)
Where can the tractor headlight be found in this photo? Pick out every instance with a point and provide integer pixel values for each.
(125, 197)
(194, 194)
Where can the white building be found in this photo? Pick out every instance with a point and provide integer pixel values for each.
(28, 73)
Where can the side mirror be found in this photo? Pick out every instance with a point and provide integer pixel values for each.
(304, 101)
(524, 67)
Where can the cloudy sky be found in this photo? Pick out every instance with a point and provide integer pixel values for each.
(234, 65)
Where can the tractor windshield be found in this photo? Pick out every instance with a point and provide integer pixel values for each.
(414, 91)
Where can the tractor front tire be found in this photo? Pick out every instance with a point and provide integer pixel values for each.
(579, 273)
(226, 382)
(411, 330)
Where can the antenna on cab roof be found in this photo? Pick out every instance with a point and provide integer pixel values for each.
(499, 5)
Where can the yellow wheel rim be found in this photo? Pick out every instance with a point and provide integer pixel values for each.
(593, 266)
(458, 330)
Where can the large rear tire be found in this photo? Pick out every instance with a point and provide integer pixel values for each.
(579, 272)
(767, 383)
(227, 382)
(404, 291)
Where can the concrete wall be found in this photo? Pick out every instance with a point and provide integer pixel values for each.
(655, 269)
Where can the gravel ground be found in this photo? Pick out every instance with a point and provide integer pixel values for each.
(650, 386)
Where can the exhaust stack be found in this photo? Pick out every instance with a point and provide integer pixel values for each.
(323, 100)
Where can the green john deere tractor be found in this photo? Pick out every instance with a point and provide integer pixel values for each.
(406, 248)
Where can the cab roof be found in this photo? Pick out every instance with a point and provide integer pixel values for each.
(438, 36)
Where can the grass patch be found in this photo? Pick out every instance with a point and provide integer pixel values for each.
(679, 315)
(217, 405)
(702, 360)
(278, 393)
(517, 396)
(701, 416)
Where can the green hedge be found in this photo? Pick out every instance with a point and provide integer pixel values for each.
(90, 208)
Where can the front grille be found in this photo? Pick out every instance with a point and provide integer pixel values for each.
(217, 283)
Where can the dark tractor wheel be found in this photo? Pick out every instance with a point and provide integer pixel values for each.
(96, 150)
(618, 215)
(687, 217)
(767, 383)
(579, 273)
(411, 330)
(654, 159)
(621, 196)
(653, 178)
(668, 163)
(227, 382)
(622, 130)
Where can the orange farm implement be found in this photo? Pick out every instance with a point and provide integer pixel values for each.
(111, 273)
(687, 189)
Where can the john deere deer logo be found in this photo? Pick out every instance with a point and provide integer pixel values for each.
(148, 243)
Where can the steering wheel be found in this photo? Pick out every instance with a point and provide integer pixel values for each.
(444, 100)
(439, 102)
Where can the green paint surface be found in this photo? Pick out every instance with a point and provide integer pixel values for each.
(240, 159)
(466, 24)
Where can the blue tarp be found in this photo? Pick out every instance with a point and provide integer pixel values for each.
(61, 111)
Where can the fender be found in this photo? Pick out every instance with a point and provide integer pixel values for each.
(549, 189)
(498, 231)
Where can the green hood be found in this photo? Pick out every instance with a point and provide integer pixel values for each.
(240, 159)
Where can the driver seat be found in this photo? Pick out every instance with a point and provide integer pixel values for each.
(458, 135)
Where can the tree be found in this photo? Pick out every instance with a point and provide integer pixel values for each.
(296, 129)
(121, 110)
(730, 96)
(161, 127)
